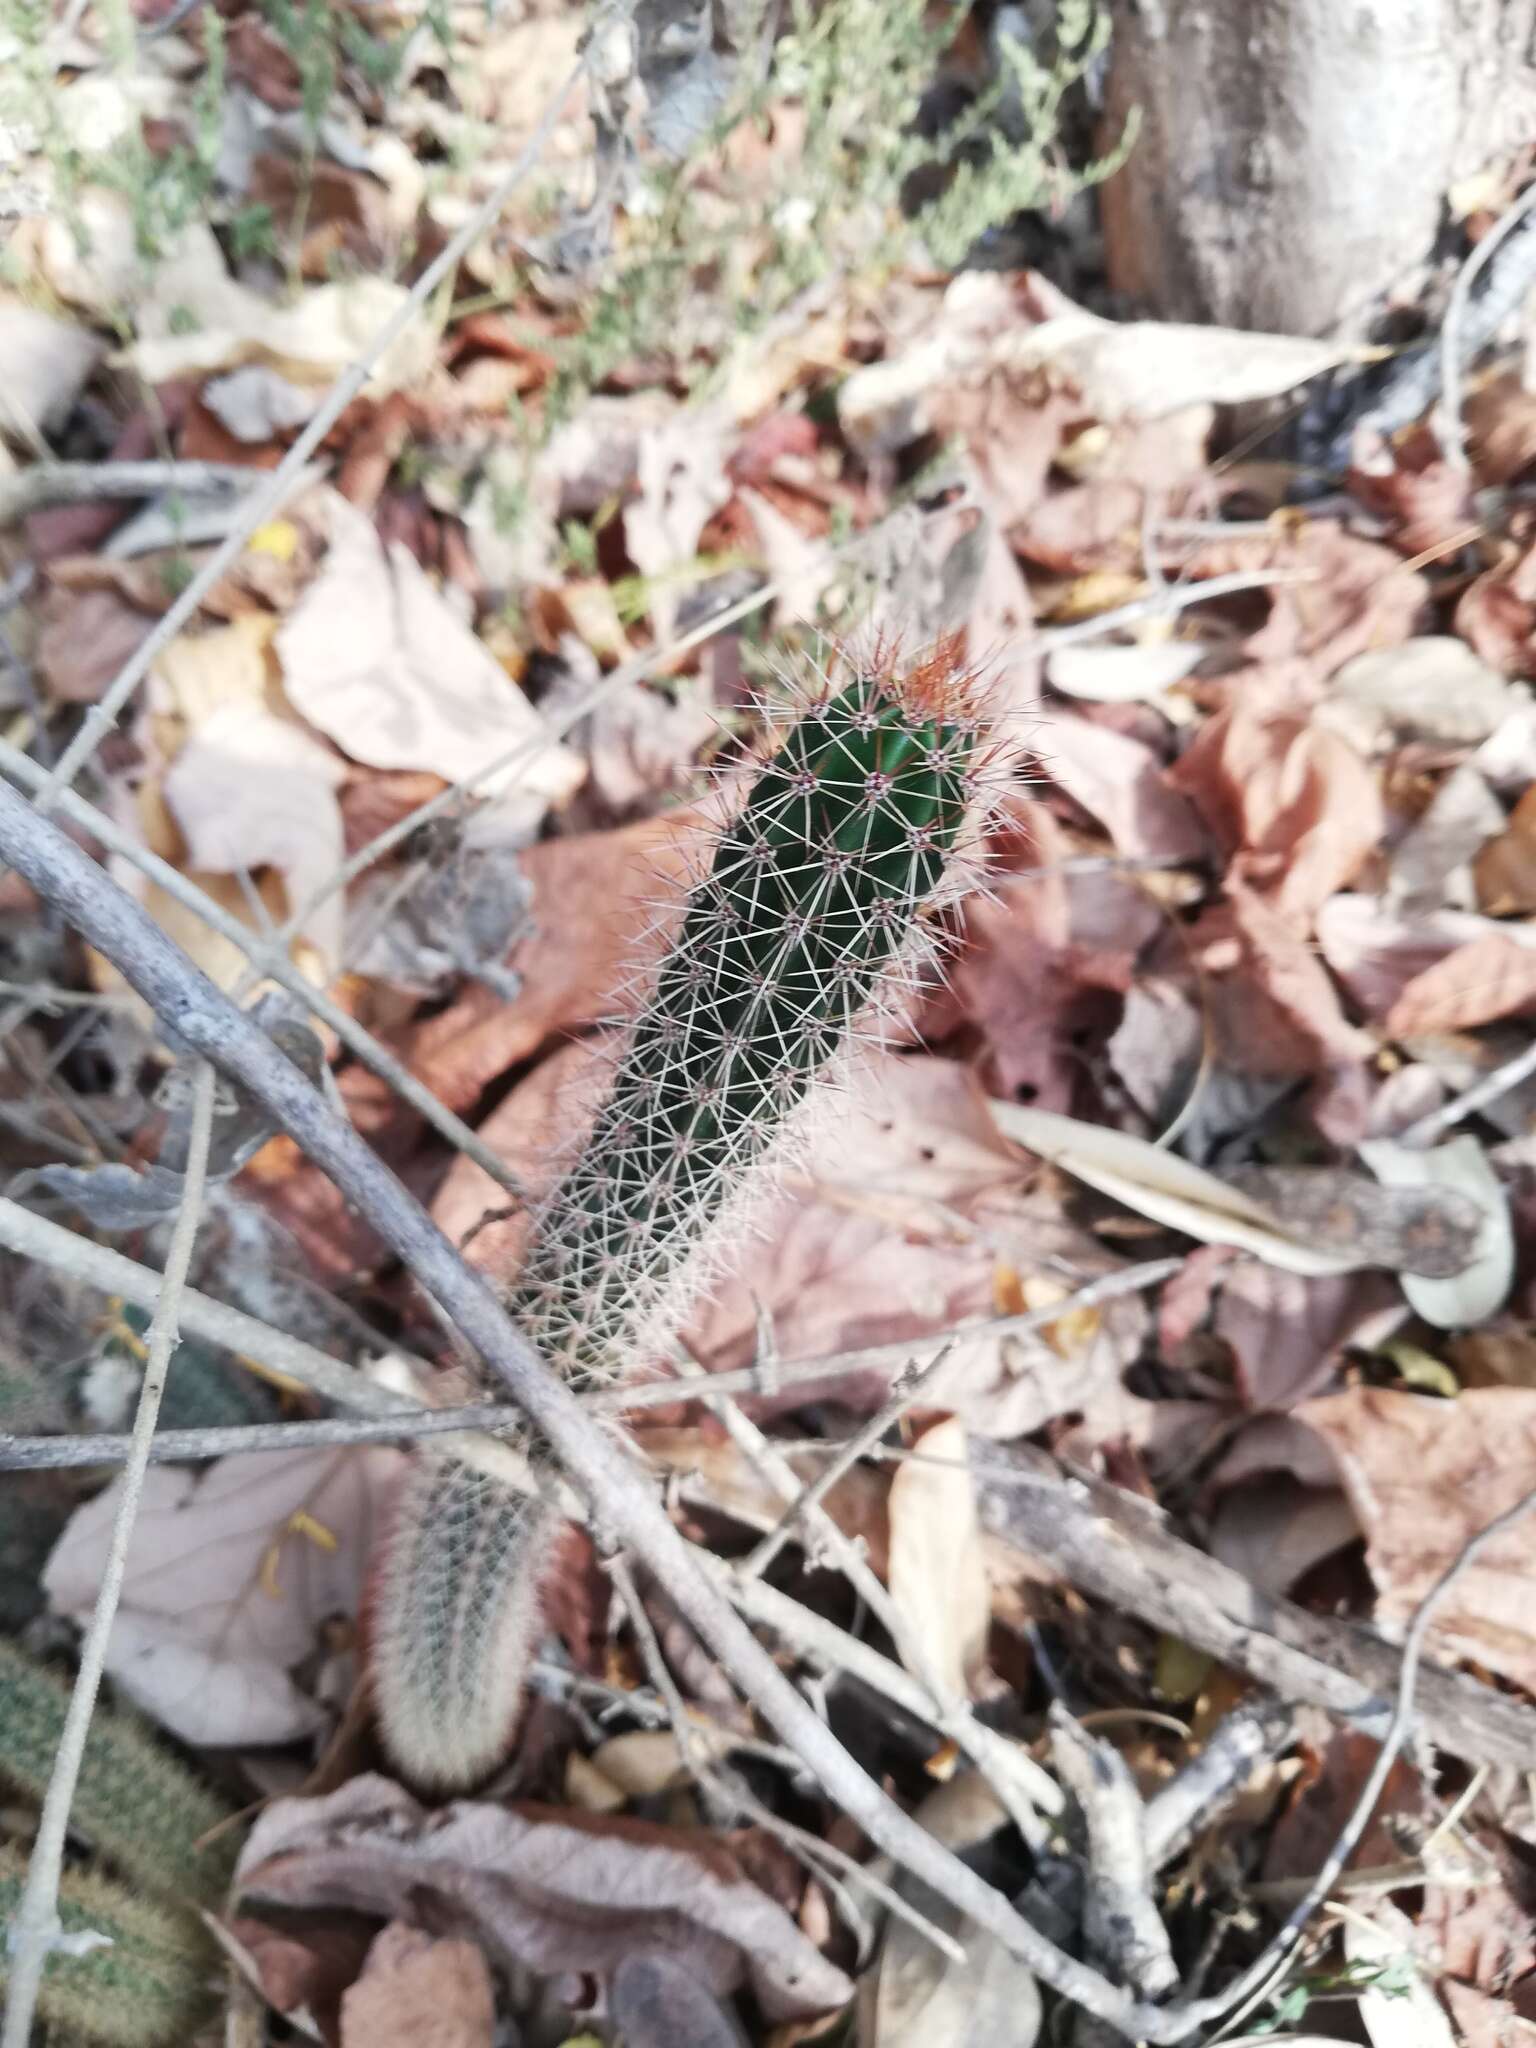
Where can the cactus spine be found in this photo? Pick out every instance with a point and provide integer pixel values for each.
(135, 1803)
(813, 895)
(150, 1982)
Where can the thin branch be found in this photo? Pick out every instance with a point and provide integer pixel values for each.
(82, 483)
(1164, 602)
(263, 504)
(269, 958)
(911, 1383)
(1115, 1547)
(1287, 1936)
(1477, 1097)
(1454, 352)
(195, 1011)
(1258, 1729)
(656, 1667)
(1024, 1789)
(36, 1923)
(50, 1244)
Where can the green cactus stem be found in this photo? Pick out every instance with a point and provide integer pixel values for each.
(812, 897)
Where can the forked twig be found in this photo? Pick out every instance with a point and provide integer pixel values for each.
(36, 1923)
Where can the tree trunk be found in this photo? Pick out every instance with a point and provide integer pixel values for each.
(1295, 155)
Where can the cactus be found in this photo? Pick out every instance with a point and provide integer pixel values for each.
(812, 900)
(149, 1982)
(135, 1803)
(456, 1618)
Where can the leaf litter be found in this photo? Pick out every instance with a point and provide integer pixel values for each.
(1261, 902)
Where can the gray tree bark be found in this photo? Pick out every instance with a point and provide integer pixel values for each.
(1295, 155)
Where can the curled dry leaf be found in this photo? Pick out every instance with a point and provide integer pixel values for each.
(415, 1992)
(1296, 807)
(1423, 1477)
(1122, 783)
(376, 658)
(937, 1572)
(1478, 1288)
(551, 1890)
(1159, 1184)
(231, 1574)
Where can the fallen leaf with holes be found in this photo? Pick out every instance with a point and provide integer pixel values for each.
(231, 1574)
(415, 1992)
(551, 1890)
(375, 657)
(1424, 1476)
(937, 1568)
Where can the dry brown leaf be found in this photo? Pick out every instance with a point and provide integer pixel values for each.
(376, 658)
(1357, 596)
(596, 896)
(554, 1891)
(1288, 1333)
(1505, 868)
(231, 1573)
(1482, 1931)
(415, 1992)
(1272, 1011)
(1497, 615)
(1122, 783)
(1424, 1476)
(43, 364)
(681, 484)
(1500, 417)
(1295, 806)
(85, 638)
(1493, 977)
(937, 1569)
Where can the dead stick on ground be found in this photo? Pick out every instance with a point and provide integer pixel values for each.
(36, 1925)
(191, 1007)
(1256, 1976)
(1115, 1547)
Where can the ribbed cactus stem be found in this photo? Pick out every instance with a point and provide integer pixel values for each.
(456, 1618)
(812, 894)
(810, 897)
(135, 1802)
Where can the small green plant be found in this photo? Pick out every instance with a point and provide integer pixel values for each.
(135, 1975)
(135, 1803)
(808, 907)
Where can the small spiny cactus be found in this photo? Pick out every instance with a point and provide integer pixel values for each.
(135, 1803)
(811, 901)
(149, 1983)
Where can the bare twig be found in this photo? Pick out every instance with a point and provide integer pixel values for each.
(263, 502)
(656, 1667)
(1477, 1097)
(81, 483)
(1117, 1548)
(1454, 352)
(36, 1924)
(1164, 602)
(1191, 1800)
(34, 1237)
(1289, 1934)
(201, 1017)
(912, 1383)
(1121, 1924)
(271, 959)
(1023, 1788)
